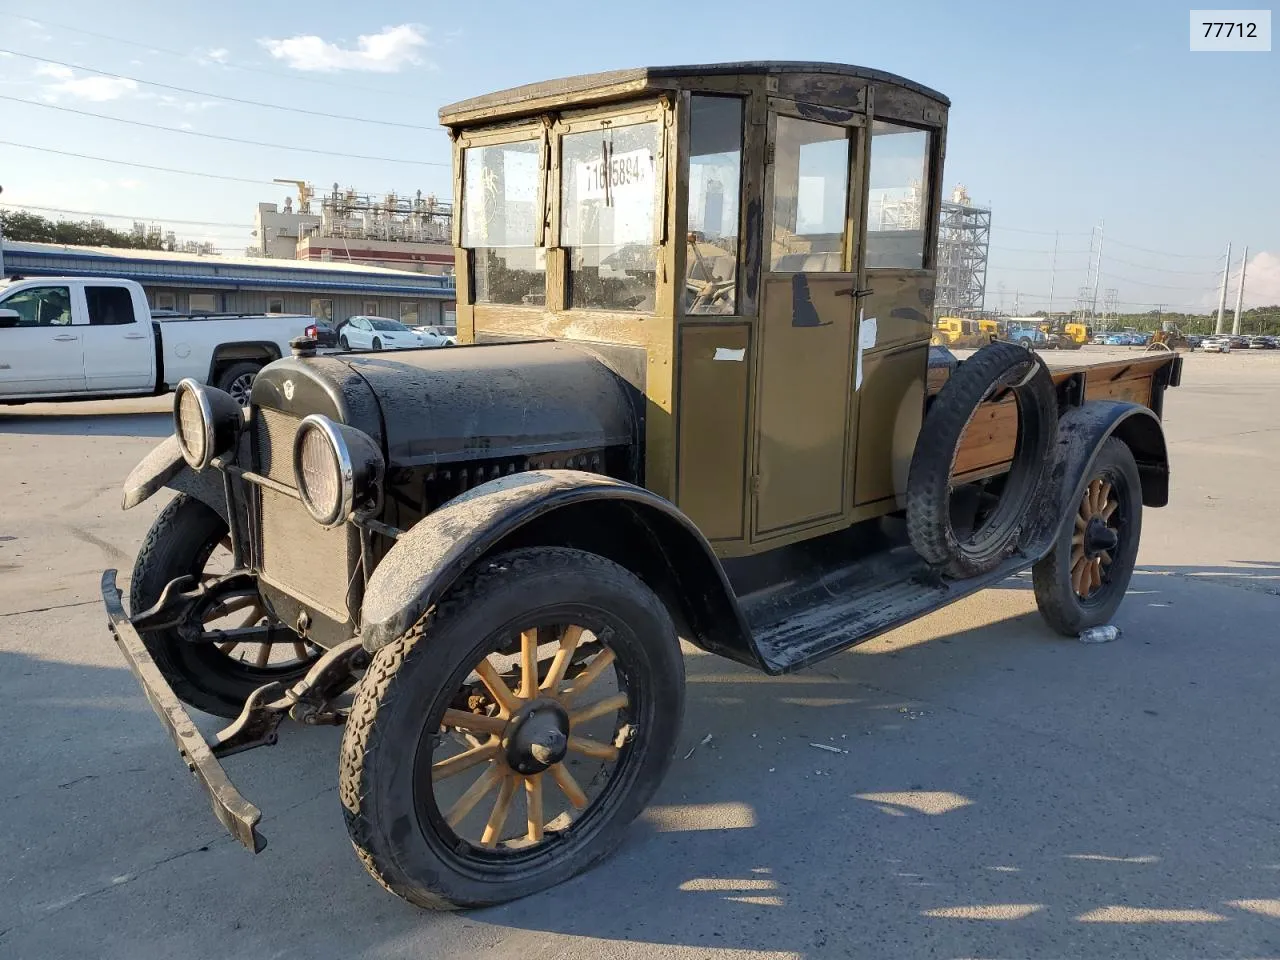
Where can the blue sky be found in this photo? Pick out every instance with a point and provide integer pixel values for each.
(1063, 115)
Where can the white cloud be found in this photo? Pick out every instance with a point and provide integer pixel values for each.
(4, 54)
(1261, 281)
(128, 183)
(170, 102)
(96, 89)
(385, 52)
(217, 55)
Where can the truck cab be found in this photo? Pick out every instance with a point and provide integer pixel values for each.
(70, 335)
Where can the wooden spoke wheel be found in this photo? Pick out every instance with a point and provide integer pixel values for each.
(561, 718)
(1082, 581)
(1095, 538)
(503, 743)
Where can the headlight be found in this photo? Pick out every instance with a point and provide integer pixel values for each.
(206, 422)
(337, 469)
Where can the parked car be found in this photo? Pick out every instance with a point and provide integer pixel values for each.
(88, 338)
(437, 336)
(379, 333)
(1216, 345)
(1261, 343)
(323, 332)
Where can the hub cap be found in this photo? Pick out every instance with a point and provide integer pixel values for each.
(1096, 538)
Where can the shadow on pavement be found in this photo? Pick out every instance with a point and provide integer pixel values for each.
(14, 421)
(983, 792)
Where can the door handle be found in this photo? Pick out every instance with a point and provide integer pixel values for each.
(851, 292)
(135, 336)
(65, 338)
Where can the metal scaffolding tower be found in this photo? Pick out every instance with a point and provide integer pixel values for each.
(964, 235)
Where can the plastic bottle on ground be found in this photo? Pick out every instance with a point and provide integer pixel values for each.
(1099, 634)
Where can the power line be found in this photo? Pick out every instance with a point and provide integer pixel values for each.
(125, 216)
(216, 136)
(220, 96)
(139, 166)
(1166, 253)
(1181, 273)
(341, 85)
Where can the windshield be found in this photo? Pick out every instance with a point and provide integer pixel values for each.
(389, 325)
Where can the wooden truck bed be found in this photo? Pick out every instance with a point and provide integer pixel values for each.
(988, 442)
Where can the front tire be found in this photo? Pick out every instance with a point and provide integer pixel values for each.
(377, 344)
(1081, 582)
(181, 542)
(439, 683)
(342, 342)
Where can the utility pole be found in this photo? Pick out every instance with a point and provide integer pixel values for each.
(1053, 273)
(1222, 296)
(1, 244)
(1235, 326)
(1097, 271)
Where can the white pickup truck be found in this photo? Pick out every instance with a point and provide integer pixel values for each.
(85, 338)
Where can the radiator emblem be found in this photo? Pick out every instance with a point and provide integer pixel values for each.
(288, 389)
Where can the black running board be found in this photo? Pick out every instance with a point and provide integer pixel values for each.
(800, 622)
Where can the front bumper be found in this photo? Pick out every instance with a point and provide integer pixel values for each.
(235, 813)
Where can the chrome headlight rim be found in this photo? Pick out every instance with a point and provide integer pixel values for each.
(188, 386)
(345, 500)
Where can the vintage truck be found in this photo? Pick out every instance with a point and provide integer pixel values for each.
(694, 399)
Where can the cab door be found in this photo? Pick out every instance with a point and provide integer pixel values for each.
(42, 350)
(805, 368)
(117, 344)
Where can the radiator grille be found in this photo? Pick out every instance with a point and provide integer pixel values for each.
(304, 559)
(297, 555)
(273, 433)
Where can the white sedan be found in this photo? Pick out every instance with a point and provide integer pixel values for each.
(1216, 345)
(437, 336)
(379, 333)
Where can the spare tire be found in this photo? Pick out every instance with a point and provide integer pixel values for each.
(930, 519)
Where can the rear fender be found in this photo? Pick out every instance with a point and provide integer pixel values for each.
(625, 523)
(164, 467)
(1081, 434)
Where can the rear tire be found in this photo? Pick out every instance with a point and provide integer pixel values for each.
(342, 342)
(1055, 576)
(237, 380)
(388, 789)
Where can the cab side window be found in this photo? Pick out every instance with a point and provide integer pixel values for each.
(41, 306)
(898, 200)
(109, 306)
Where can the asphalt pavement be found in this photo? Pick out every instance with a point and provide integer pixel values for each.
(997, 791)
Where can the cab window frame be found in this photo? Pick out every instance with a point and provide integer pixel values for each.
(587, 120)
(930, 185)
(524, 131)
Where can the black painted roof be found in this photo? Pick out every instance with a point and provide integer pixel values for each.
(644, 75)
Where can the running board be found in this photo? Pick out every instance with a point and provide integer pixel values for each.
(802, 621)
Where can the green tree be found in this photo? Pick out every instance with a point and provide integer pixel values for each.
(21, 225)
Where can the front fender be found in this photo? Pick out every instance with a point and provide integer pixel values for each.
(164, 467)
(1081, 434)
(626, 523)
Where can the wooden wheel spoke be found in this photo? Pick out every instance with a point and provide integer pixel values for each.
(528, 664)
(1077, 577)
(598, 709)
(497, 687)
(1105, 557)
(1109, 509)
(1081, 520)
(1095, 575)
(588, 676)
(569, 786)
(501, 808)
(228, 647)
(1104, 496)
(475, 793)
(264, 654)
(233, 605)
(593, 748)
(473, 722)
(533, 804)
(560, 665)
(459, 762)
(1077, 540)
(300, 650)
